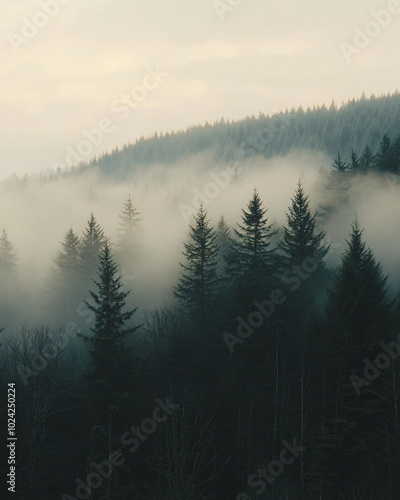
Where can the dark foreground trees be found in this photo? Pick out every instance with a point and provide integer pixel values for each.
(304, 405)
(359, 319)
(111, 366)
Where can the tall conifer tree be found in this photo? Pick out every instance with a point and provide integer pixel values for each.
(129, 244)
(251, 258)
(92, 242)
(109, 375)
(68, 258)
(198, 286)
(300, 238)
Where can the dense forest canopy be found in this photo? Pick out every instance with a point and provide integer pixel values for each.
(269, 365)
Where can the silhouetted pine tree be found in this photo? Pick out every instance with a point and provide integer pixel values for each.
(92, 242)
(358, 304)
(68, 258)
(303, 277)
(301, 268)
(300, 239)
(250, 262)
(198, 286)
(109, 375)
(359, 314)
(106, 346)
(129, 244)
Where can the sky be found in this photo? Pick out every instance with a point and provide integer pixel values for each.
(80, 77)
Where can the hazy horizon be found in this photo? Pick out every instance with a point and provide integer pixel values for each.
(68, 67)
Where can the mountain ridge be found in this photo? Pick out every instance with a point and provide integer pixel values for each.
(352, 125)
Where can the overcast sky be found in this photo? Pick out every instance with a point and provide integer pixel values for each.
(210, 59)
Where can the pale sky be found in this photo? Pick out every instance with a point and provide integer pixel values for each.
(211, 58)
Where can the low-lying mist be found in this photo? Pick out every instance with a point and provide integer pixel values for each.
(37, 214)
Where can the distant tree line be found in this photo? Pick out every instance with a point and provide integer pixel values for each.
(357, 123)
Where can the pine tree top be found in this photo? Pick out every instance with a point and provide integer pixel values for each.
(356, 246)
(359, 296)
(300, 239)
(109, 301)
(129, 233)
(201, 245)
(360, 259)
(254, 234)
(67, 258)
(222, 226)
(92, 240)
(130, 214)
(198, 283)
(93, 228)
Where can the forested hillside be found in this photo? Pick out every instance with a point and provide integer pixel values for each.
(355, 124)
(269, 371)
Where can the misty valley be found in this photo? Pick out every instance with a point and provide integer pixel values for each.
(208, 314)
